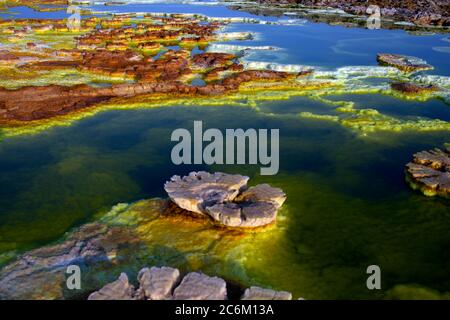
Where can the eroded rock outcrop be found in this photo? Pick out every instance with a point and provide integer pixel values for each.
(257, 293)
(226, 199)
(198, 286)
(421, 13)
(40, 273)
(141, 56)
(198, 190)
(155, 231)
(117, 290)
(212, 59)
(404, 63)
(413, 88)
(157, 283)
(430, 172)
(42, 102)
(163, 284)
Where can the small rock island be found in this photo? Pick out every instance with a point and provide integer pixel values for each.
(127, 239)
(226, 199)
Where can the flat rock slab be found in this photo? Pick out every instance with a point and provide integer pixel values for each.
(257, 293)
(157, 283)
(117, 290)
(413, 88)
(226, 199)
(430, 172)
(199, 190)
(404, 63)
(198, 286)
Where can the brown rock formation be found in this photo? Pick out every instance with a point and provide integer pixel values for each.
(39, 273)
(226, 199)
(212, 59)
(121, 50)
(413, 88)
(430, 172)
(33, 103)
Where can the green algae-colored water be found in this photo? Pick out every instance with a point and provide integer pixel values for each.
(348, 205)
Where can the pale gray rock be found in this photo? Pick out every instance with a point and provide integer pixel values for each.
(40, 273)
(157, 283)
(263, 192)
(404, 63)
(199, 190)
(229, 214)
(120, 289)
(198, 286)
(226, 199)
(430, 172)
(257, 293)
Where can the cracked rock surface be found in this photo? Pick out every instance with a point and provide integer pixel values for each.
(257, 293)
(404, 63)
(198, 286)
(226, 199)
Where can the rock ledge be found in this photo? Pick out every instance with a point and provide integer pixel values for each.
(226, 199)
(163, 284)
(430, 172)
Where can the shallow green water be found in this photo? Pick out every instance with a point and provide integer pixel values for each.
(348, 206)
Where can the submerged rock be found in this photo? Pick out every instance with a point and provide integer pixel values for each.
(225, 198)
(198, 286)
(403, 63)
(117, 290)
(257, 293)
(430, 172)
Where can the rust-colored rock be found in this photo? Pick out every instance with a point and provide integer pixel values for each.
(413, 88)
(430, 172)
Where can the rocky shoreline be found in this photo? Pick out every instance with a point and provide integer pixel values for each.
(426, 13)
(52, 75)
(118, 49)
(165, 283)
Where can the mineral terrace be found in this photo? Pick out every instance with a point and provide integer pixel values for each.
(430, 172)
(53, 73)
